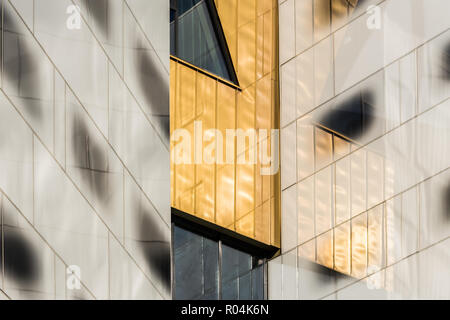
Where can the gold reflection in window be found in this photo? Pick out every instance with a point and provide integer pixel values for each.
(335, 228)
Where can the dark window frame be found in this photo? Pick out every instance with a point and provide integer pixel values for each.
(217, 233)
(260, 252)
(217, 25)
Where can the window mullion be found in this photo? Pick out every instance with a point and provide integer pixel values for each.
(220, 271)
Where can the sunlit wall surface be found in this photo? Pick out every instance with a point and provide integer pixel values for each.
(84, 149)
(365, 117)
(236, 197)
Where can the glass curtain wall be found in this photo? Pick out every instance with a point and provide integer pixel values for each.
(193, 37)
(205, 269)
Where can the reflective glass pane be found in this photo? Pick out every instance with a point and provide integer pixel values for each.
(245, 287)
(197, 273)
(230, 290)
(196, 39)
(258, 283)
(234, 263)
(211, 268)
(188, 266)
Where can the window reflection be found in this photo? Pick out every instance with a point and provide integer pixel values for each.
(194, 37)
(197, 275)
(332, 203)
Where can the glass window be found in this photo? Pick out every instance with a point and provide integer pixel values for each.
(196, 260)
(195, 37)
(236, 274)
(197, 275)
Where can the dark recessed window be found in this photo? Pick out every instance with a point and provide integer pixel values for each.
(196, 36)
(206, 269)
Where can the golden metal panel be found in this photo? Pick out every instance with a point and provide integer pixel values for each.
(275, 222)
(235, 196)
(246, 225)
(185, 112)
(246, 11)
(225, 196)
(205, 173)
(244, 189)
(263, 6)
(228, 15)
(262, 224)
(173, 91)
(268, 47)
(259, 57)
(246, 68)
(185, 182)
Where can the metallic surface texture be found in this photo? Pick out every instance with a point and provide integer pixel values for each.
(233, 195)
(84, 150)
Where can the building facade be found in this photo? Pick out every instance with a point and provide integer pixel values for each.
(84, 151)
(364, 150)
(224, 77)
(224, 149)
(234, 196)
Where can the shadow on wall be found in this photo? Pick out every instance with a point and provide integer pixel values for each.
(446, 62)
(19, 67)
(93, 157)
(323, 277)
(89, 155)
(152, 83)
(20, 259)
(336, 11)
(154, 86)
(19, 256)
(353, 117)
(447, 201)
(99, 11)
(154, 245)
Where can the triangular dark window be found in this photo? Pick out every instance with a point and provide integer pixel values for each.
(196, 36)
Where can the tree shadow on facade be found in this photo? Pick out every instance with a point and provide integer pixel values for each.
(19, 257)
(155, 88)
(447, 201)
(20, 67)
(446, 62)
(91, 158)
(353, 117)
(155, 247)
